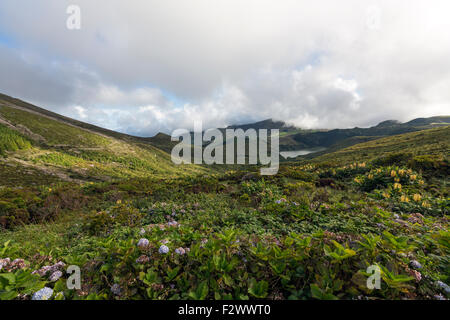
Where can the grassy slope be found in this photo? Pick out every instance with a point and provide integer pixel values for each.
(426, 142)
(17, 103)
(11, 140)
(69, 152)
(308, 232)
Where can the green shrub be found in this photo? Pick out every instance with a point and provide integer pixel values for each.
(393, 159)
(430, 165)
(97, 223)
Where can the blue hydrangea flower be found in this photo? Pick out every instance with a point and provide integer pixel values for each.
(443, 286)
(43, 294)
(163, 249)
(415, 264)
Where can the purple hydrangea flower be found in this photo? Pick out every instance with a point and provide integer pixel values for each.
(49, 269)
(143, 243)
(180, 251)
(18, 264)
(4, 263)
(163, 249)
(142, 259)
(55, 276)
(115, 289)
(172, 223)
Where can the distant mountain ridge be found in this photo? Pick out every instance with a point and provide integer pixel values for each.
(386, 128)
(265, 124)
(291, 138)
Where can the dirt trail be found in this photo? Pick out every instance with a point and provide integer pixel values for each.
(6, 123)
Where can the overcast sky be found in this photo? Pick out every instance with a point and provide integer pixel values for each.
(142, 67)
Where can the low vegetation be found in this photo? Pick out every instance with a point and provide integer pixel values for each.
(11, 140)
(141, 228)
(309, 232)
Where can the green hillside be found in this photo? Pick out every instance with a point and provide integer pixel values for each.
(52, 146)
(141, 228)
(433, 142)
(336, 137)
(23, 105)
(294, 139)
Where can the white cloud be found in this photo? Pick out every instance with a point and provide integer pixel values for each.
(147, 66)
(81, 112)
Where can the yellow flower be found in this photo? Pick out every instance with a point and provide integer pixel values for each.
(393, 173)
(386, 195)
(49, 189)
(397, 186)
(370, 176)
(401, 172)
(396, 179)
(425, 204)
(413, 177)
(362, 165)
(421, 182)
(417, 197)
(404, 199)
(119, 201)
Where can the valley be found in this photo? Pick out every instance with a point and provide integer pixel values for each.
(140, 227)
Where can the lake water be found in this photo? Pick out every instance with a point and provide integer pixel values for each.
(296, 153)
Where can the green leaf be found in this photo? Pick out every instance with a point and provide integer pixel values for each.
(8, 295)
(172, 273)
(318, 293)
(5, 247)
(8, 278)
(258, 289)
(201, 292)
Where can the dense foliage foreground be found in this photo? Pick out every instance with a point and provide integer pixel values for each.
(311, 231)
